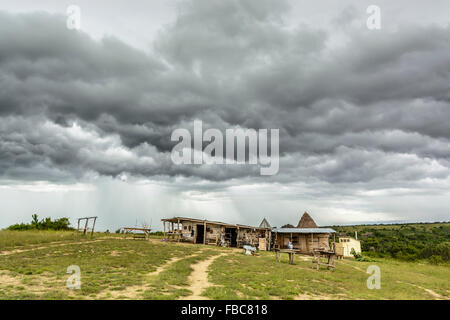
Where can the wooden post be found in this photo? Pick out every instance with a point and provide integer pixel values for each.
(276, 239)
(179, 231)
(334, 243)
(164, 225)
(78, 228)
(92, 232)
(318, 262)
(204, 232)
(86, 226)
(195, 232)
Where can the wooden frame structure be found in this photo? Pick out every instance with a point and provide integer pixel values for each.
(304, 240)
(85, 229)
(215, 232)
(146, 231)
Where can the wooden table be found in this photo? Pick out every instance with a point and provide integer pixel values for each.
(145, 230)
(318, 253)
(290, 252)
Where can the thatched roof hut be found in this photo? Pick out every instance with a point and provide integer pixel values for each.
(306, 222)
(264, 224)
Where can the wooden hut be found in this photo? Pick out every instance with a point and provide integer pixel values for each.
(305, 238)
(213, 232)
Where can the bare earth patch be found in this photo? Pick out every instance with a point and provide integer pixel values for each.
(49, 245)
(37, 284)
(198, 279)
(133, 292)
(8, 280)
(166, 265)
(311, 297)
(114, 253)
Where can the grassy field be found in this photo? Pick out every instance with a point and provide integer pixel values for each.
(9, 239)
(33, 265)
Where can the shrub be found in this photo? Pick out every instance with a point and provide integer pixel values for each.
(359, 257)
(44, 224)
(436, 260)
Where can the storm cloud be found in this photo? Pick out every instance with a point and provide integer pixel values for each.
(356, 109)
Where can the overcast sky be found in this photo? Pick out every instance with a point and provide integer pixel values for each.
(86, 116)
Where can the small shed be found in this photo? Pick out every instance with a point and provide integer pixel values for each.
(305, 238)
(346, 244)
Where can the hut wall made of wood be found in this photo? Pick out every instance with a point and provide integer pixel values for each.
(305, 242)
(248, 236)
(188, 231)
(214, 232)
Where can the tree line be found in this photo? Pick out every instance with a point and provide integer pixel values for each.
(405, 242)
(43, 224)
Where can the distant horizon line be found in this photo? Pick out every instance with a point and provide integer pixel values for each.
(356, 224)
(393, 222)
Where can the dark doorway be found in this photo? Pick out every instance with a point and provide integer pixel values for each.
(200, 233)
(231, 236)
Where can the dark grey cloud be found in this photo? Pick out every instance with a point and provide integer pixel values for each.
(373, 110)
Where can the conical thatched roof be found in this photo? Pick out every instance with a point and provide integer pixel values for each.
(306, 222)
(264, 224)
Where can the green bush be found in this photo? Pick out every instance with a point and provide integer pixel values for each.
(436, 260)
(441, 250)
(359, 257)
(44, 224)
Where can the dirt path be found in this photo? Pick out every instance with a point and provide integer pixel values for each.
(49, 245)
(198, 279)
(435, 295)
(166, 265)
(134, 292)
(302, 296)
(354, 267)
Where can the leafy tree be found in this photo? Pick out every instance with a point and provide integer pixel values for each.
(35, 219)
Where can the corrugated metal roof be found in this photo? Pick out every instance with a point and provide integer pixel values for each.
(175, 219)
(303, 230)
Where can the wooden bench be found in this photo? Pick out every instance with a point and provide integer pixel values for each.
(323, 253)
(290, 252)
(139, 236)
(144, 235)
